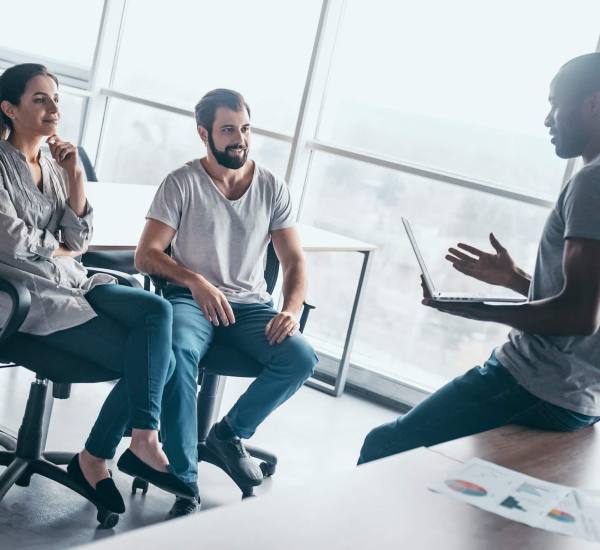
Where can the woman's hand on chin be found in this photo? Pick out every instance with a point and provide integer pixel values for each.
(64, 153)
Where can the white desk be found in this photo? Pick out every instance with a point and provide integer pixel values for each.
(384, 505)
(119, 217)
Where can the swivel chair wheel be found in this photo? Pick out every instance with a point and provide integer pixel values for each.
(248, 492)
(267, 468)
(139, 484)
(106, 518)
(24, 479)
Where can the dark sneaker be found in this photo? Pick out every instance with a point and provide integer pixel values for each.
(184, 506)
(235, 458)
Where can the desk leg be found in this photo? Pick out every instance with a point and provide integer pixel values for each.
(342, 373)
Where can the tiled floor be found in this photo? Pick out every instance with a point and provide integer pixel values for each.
(313, 434)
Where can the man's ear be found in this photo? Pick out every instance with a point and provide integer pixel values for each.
(202, 132)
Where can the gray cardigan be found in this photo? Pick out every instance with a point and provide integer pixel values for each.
(32, 225)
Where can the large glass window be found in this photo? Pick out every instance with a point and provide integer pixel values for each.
(64, 31)
(71, 110)
(459, 86)
(260, 48)
(142, 144)
(397, 335)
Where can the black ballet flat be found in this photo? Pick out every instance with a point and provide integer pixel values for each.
(105, 492)
(133, 466)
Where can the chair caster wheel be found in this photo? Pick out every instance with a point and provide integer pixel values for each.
(24, 480)
(106, 518)
(139, 484)
(267, 468)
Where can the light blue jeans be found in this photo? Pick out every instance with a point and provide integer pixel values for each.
(286, 366)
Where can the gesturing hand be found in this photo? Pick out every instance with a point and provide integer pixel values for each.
(63, 152)
(494, 269)
(213, 303)
(284, 324)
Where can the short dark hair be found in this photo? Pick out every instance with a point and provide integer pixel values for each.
(221, 97)
(12, 87)
(581, 75)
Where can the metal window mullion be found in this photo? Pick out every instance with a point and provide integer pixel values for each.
(73, 75)
(300, 121)
(429, 173)
(104, 60)
(316, 78)
(115, 94)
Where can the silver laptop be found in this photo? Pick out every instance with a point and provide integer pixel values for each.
(439, 296)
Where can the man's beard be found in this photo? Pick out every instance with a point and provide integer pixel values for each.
(224, 158)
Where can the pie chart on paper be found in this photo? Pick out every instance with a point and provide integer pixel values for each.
(559, 515)
(466, 487)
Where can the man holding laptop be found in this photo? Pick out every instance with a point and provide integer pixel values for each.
(547, 375)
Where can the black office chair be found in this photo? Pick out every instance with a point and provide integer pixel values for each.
(221, 361)
(86, 163)
(25, 453)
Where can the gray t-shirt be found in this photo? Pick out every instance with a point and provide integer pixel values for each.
(563, 370)
(223, 240)
(32, 224)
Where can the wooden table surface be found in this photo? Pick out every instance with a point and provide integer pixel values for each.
(567, 458)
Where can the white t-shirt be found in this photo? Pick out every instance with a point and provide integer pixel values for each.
(223, 240)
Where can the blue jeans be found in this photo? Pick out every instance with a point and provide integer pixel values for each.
(483, 398)
(132, 336)
(286, 367)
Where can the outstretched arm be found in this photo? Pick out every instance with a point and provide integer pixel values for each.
(574, 311)
(495, 269)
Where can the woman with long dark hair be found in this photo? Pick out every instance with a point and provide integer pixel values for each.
(45, 224)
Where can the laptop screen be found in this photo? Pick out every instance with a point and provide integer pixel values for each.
(415, 247)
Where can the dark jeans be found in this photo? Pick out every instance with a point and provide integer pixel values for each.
(132, 336)
(483, 398)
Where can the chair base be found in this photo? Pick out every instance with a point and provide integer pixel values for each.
(25, 456)
(19, 472)
(269, 460)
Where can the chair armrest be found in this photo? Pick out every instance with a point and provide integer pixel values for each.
(159, 283)
(120, 260)
(122, 278)
(306, 307)
(21, 302)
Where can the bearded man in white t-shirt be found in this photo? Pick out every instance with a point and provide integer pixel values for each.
(218, 214)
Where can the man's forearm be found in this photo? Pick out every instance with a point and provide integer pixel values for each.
(294, 287)
(549, 317)
(157, 262)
